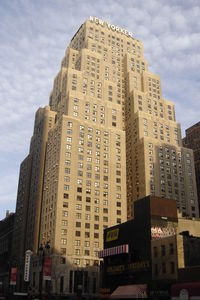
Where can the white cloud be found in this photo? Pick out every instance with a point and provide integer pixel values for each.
(34, 35)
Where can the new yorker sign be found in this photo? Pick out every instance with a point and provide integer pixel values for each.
(110, 26)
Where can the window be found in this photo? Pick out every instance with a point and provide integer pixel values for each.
(171, 248)
(87, 252)
(163, 250)
(64, 222)
(77, 242)
(163, 268)
(63, 241)
(62, 251)
(87, 244)
(156, 269)
(172, 267)
(77, 251)
(65, 213)
(63, 231)
(78, 206)
(77, 261)
(78, 215)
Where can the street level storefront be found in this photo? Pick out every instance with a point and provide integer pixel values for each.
(130, 292)
(142, 252)
(186, 291)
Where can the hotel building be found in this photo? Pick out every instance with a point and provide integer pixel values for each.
(106, 139)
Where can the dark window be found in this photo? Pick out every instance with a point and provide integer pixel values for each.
(172, 266)
(171, 248)
(163, 268)
(156, 269)
(163, 250)
(155, 251)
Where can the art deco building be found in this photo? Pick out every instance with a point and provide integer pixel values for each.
(106, 139)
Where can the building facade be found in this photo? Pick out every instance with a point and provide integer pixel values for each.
(192, 141)
(150, 256)
(6, 259)
(156, 249)
(106, 139)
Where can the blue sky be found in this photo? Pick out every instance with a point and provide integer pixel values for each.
(34, 35)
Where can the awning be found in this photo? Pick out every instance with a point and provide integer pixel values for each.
(130, 292)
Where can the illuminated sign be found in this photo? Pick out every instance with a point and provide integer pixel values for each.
(112, 235)
(111, 26)
(114, 251)
(162, 232)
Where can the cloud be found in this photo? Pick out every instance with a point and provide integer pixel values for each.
(35, 34)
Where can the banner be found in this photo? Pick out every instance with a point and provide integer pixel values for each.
(13, 276)
(47, 268)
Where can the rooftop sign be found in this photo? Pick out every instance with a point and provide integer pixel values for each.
(111, 26)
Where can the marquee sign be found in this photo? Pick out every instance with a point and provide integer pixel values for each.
(111, 26)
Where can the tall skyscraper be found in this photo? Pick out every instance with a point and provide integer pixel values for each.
(106, 139)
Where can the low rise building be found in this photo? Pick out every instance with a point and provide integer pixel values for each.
(152, 252)
(6, 236)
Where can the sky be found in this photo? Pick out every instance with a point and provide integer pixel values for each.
(33, 39)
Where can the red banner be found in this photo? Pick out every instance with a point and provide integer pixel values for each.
(13, 276)
(47, 268)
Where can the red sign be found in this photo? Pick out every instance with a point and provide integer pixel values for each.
(47, 268)
(114, 250)
(13, 276)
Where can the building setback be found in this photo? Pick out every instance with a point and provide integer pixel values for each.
(106, 139)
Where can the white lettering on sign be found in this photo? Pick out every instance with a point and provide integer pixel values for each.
(111, 26)
(159, 233)
(27, 266)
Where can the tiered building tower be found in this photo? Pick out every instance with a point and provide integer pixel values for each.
(106, 139)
